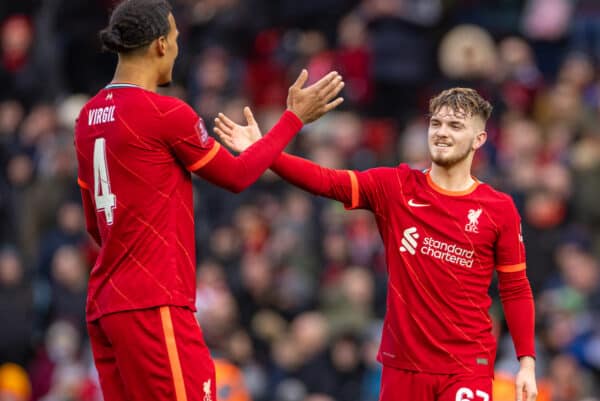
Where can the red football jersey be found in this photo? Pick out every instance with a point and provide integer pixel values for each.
(442, 249)
(135, 150)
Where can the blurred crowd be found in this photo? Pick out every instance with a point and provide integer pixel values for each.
(291, 287)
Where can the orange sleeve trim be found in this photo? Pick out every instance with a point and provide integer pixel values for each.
(511, 268)
(82, 184)
(206, 158)
(354, 185)
(167, 324)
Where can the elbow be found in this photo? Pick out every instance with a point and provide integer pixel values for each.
(237, 188)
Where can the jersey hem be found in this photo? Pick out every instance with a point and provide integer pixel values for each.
(95, 315)
(474, 370)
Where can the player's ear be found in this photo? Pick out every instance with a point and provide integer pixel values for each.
(480, 139)
(161, 45)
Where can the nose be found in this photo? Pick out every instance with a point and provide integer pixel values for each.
(441, 132)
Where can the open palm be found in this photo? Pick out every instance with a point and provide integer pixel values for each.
(235, 136)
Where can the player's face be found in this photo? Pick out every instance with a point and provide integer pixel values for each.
(453, 136)
(171, 49)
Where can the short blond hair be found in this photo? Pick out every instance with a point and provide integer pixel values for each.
(462, 100)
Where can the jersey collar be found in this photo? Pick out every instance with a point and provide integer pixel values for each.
(118, 85)
(443, 191)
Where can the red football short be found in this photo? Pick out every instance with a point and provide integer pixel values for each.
(155, 354)
(399, 385)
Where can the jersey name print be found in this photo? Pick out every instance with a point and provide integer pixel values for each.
(101, 115)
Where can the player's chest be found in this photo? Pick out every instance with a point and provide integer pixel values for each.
(445, 222)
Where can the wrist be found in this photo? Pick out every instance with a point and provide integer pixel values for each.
(297, 121)
(527, 362)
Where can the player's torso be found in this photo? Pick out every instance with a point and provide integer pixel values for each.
(448, 237)
(142, 197)
(440, 251)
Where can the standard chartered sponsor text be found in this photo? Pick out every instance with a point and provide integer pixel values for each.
(447, 252)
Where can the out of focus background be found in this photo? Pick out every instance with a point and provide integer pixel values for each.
(291, 287)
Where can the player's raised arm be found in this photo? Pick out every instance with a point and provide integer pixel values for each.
(304, 105)
(341, 185)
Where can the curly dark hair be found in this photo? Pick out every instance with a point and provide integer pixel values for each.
(134, 24)
(465, 100)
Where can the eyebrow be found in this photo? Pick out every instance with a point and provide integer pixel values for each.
(449, 118)
(452, 121)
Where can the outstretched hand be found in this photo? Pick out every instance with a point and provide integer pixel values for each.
(312, 102)
(235, 136)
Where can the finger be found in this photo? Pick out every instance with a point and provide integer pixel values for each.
(301, 80)
(531, 393)
(332, 105)
(222, 134)
(249, 116)
(519, 391)
(332, 89)
(223, 127)
(226, 120)
(323, 82)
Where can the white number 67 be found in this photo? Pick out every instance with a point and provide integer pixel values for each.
(466, 394)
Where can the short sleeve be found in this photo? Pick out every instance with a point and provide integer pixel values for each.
(187, 137)
(510, 249)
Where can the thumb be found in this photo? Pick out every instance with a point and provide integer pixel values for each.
(301, 80)
(249, 116)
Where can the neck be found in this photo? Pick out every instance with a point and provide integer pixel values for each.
(455, 178)
(136, 71)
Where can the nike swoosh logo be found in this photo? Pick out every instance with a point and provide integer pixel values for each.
(412, 203)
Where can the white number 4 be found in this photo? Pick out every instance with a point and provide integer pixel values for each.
(105, 200)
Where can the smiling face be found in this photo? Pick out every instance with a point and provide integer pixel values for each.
(454, 136)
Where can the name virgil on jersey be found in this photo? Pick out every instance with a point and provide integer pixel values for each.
(101, 115)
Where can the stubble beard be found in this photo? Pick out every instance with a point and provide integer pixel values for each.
(451, 160)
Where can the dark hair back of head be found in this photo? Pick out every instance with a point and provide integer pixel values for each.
(134, 24)
(464, 100)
